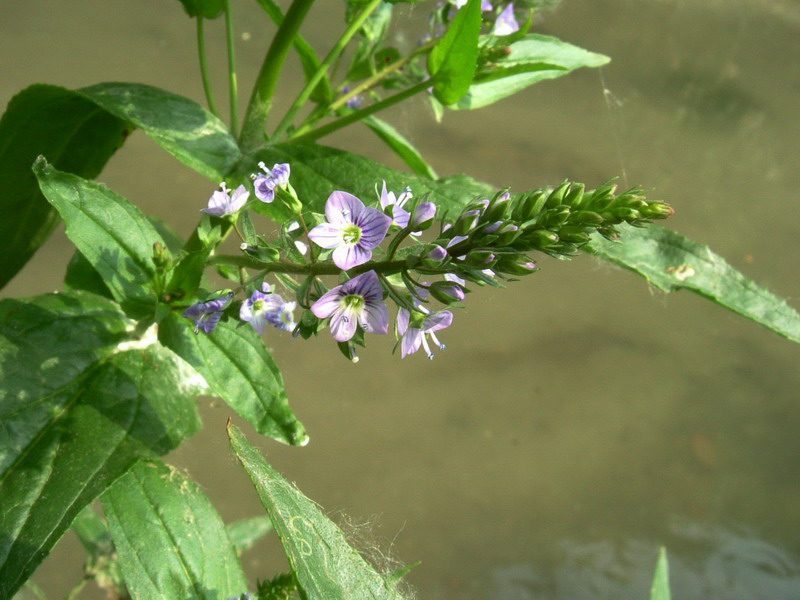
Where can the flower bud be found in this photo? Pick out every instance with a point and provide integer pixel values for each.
(574, 235)
(531, 206)
(515, 265)
(574, 197)
(556, 217)
(657, 210)
(437, 253)
(541, 238)
(467, 221)
(587, 217)
(423, 215)
(161, 256)
(447, 292)
(556, 197)
(480, 258)
(507, 234)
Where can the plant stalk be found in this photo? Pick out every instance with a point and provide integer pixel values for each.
(322, 70)
(201, 51)
(260, 104)
(232, 87)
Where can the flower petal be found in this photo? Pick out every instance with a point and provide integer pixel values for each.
(342, 208)
(328, 303)
(375, 318)
(403, 317)
(411, 342)
(347, 256)
(438, 320)
(343, 325)
(326, 235)
(374, 226)
(365, 285)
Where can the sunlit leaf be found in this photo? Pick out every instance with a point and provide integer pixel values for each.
(76, 136)
(80, 402)
(672, 262)
(453, 60)
(111, 233)
(239, 369)
(170, 541)
(530, 60)
(181, 126)
(325, 565)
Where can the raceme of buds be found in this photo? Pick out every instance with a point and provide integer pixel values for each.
(376, 251)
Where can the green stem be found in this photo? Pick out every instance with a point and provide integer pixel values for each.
(201, 51)
(314, 134)
(77, 589)
(264, 89)
(233, 92)
(335, 52)
(371, 81)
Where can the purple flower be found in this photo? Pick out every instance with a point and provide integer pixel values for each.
(400, 216)
(223, 203)
(264, 307)
(207, 314)
(353, 230)
(356, 101)
(506, 22)
(358, 301)
(437, 253)
(266, 183)
(485, 4)
(423, 215)
(416, 329)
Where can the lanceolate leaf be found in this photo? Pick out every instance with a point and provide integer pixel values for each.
(319, 170)
(671, 262)
(74, 133)
(401, 146)
(111, 233)
(179, 125)
(240, 370)
(531, 60)
(79, 406)
(244, 533)
(171, 543)
(325, 565)
(453, 60)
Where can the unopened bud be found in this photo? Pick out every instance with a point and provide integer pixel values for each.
(423, 216)
(556, 217)
(438, 254)
(447, 292)
(161, 256)
(541, 238)
(574, 235)
(467, 222)
(575, 196)
(556, 197)
(518, 265)
(657, 210)
(480, 258)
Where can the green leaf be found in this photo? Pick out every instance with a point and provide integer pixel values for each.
(208, 9)
(531, 60)
(660, 587)
(80, 402)
(81, 275)
(453, 60)
(671, 262)
(318, 170)
(244, 533)
(179, 125)
(325, 565)
(170, 540)
(401, 146)
(239, 369)
(113, 234)
(74, 133)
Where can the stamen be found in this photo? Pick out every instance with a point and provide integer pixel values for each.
(437, 342)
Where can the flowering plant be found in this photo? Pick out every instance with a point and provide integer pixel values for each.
(141, 328)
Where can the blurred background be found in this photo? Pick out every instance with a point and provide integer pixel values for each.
(578, 420)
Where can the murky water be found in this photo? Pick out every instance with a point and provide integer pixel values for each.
(578, 419)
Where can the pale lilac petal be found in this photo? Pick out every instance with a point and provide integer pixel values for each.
(457, 240)
(486, 5)
(366, 285)
(411, 342)
(347, 256)
(238, 199)
(400, 216)
(403, 317)
(387, 198)
(506, 23)
(375, 318)
(437, 321)
(327, 304)
(343, 325)
(280, 173)
(374, 227)
(326, 235)
(258, 322)
(438, 253)
(342, 208)
(424, 212)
